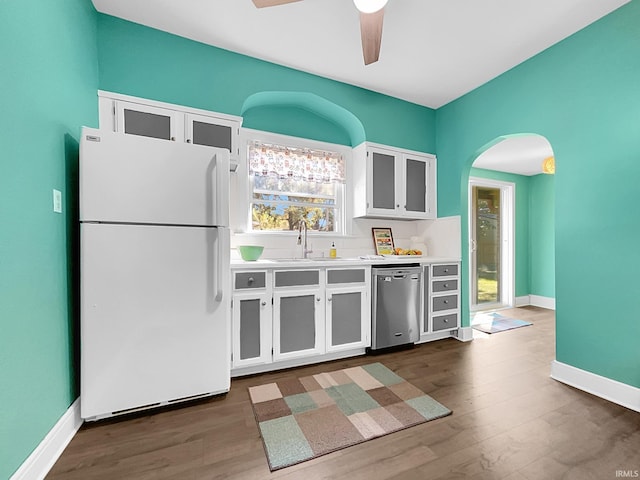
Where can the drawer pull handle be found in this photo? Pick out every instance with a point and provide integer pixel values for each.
(263, 303)
(250, 280)
(446, 270)
(446, 285)
(317, 299)
(446, 301)
(446, 320)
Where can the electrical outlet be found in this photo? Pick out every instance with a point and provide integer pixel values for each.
(57, 201)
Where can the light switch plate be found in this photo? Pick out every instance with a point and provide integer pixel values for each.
(57, 201)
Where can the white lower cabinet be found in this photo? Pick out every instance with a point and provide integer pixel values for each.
(348, 309)
(251, 319)
(345, 308)
(281, 316)
(442, 299)
(298, 324)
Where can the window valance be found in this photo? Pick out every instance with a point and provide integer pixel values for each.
(319, 166)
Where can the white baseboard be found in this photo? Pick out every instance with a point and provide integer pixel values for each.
(544, 302)
(536, 301)
(38, 464)
(603, 387)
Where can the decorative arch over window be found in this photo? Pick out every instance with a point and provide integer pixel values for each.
(313, 103)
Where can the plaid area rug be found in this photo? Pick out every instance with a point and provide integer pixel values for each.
(494, 322)
(303, 418)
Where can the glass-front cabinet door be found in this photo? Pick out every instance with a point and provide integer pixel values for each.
(416, 180)
(147, 121)
(383, 179)
(211, 131)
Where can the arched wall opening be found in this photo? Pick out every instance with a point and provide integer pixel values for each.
(516, 158)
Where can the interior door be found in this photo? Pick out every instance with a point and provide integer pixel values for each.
(486, 246)
(491, 244)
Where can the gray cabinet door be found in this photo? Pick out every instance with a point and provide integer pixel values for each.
(383, 167)
(249, 328)
(297, 323)
(147, 121)
(210, 131)
(415, 185)
(252, 327)
(297, 328)
(346, 318)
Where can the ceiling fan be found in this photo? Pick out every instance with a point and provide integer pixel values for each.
(371, 16)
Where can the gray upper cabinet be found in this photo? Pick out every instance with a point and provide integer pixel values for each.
(145, 120)
(139, 116)
(415, 192)
(212, 132)
(383, 181)
(388, 182)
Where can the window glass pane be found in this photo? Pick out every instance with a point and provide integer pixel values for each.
(284, 195)
(279, 217)
(276, 184)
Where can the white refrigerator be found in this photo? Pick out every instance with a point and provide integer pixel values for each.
(155, 299)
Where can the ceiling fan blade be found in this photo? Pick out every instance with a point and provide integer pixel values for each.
(271, 3)
(371, 33)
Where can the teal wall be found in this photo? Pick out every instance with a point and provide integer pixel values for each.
(583, 96)
(522, 266)
(48, 87)
(541, 256)
(140, 61)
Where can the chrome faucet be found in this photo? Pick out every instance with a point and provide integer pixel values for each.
(303, 226)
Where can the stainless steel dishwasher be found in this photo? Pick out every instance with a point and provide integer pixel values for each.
(395, 307)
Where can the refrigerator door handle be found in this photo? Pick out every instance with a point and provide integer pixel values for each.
(221, 248)
(217, 290)
(221, 173)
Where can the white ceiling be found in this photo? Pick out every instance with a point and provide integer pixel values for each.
(433, 51)
(522, 155)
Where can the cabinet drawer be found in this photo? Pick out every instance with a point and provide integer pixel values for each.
(445, 322)
(445, 270)
(445, 285)
(447, 302)
(250, 280)
(293, 278)
(346, 276)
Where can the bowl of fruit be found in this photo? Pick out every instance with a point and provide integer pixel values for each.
(407, 252)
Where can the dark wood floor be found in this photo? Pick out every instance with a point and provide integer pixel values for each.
(510, 421)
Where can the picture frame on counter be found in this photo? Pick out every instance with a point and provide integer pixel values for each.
(383, 241)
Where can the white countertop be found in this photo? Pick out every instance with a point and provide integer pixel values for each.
(319, 262)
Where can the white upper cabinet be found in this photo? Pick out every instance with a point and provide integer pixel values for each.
(388, 182)
(139, 116)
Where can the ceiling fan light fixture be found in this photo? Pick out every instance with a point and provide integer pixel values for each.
(369, 6)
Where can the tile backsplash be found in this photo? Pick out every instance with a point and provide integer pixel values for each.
(441, 238)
